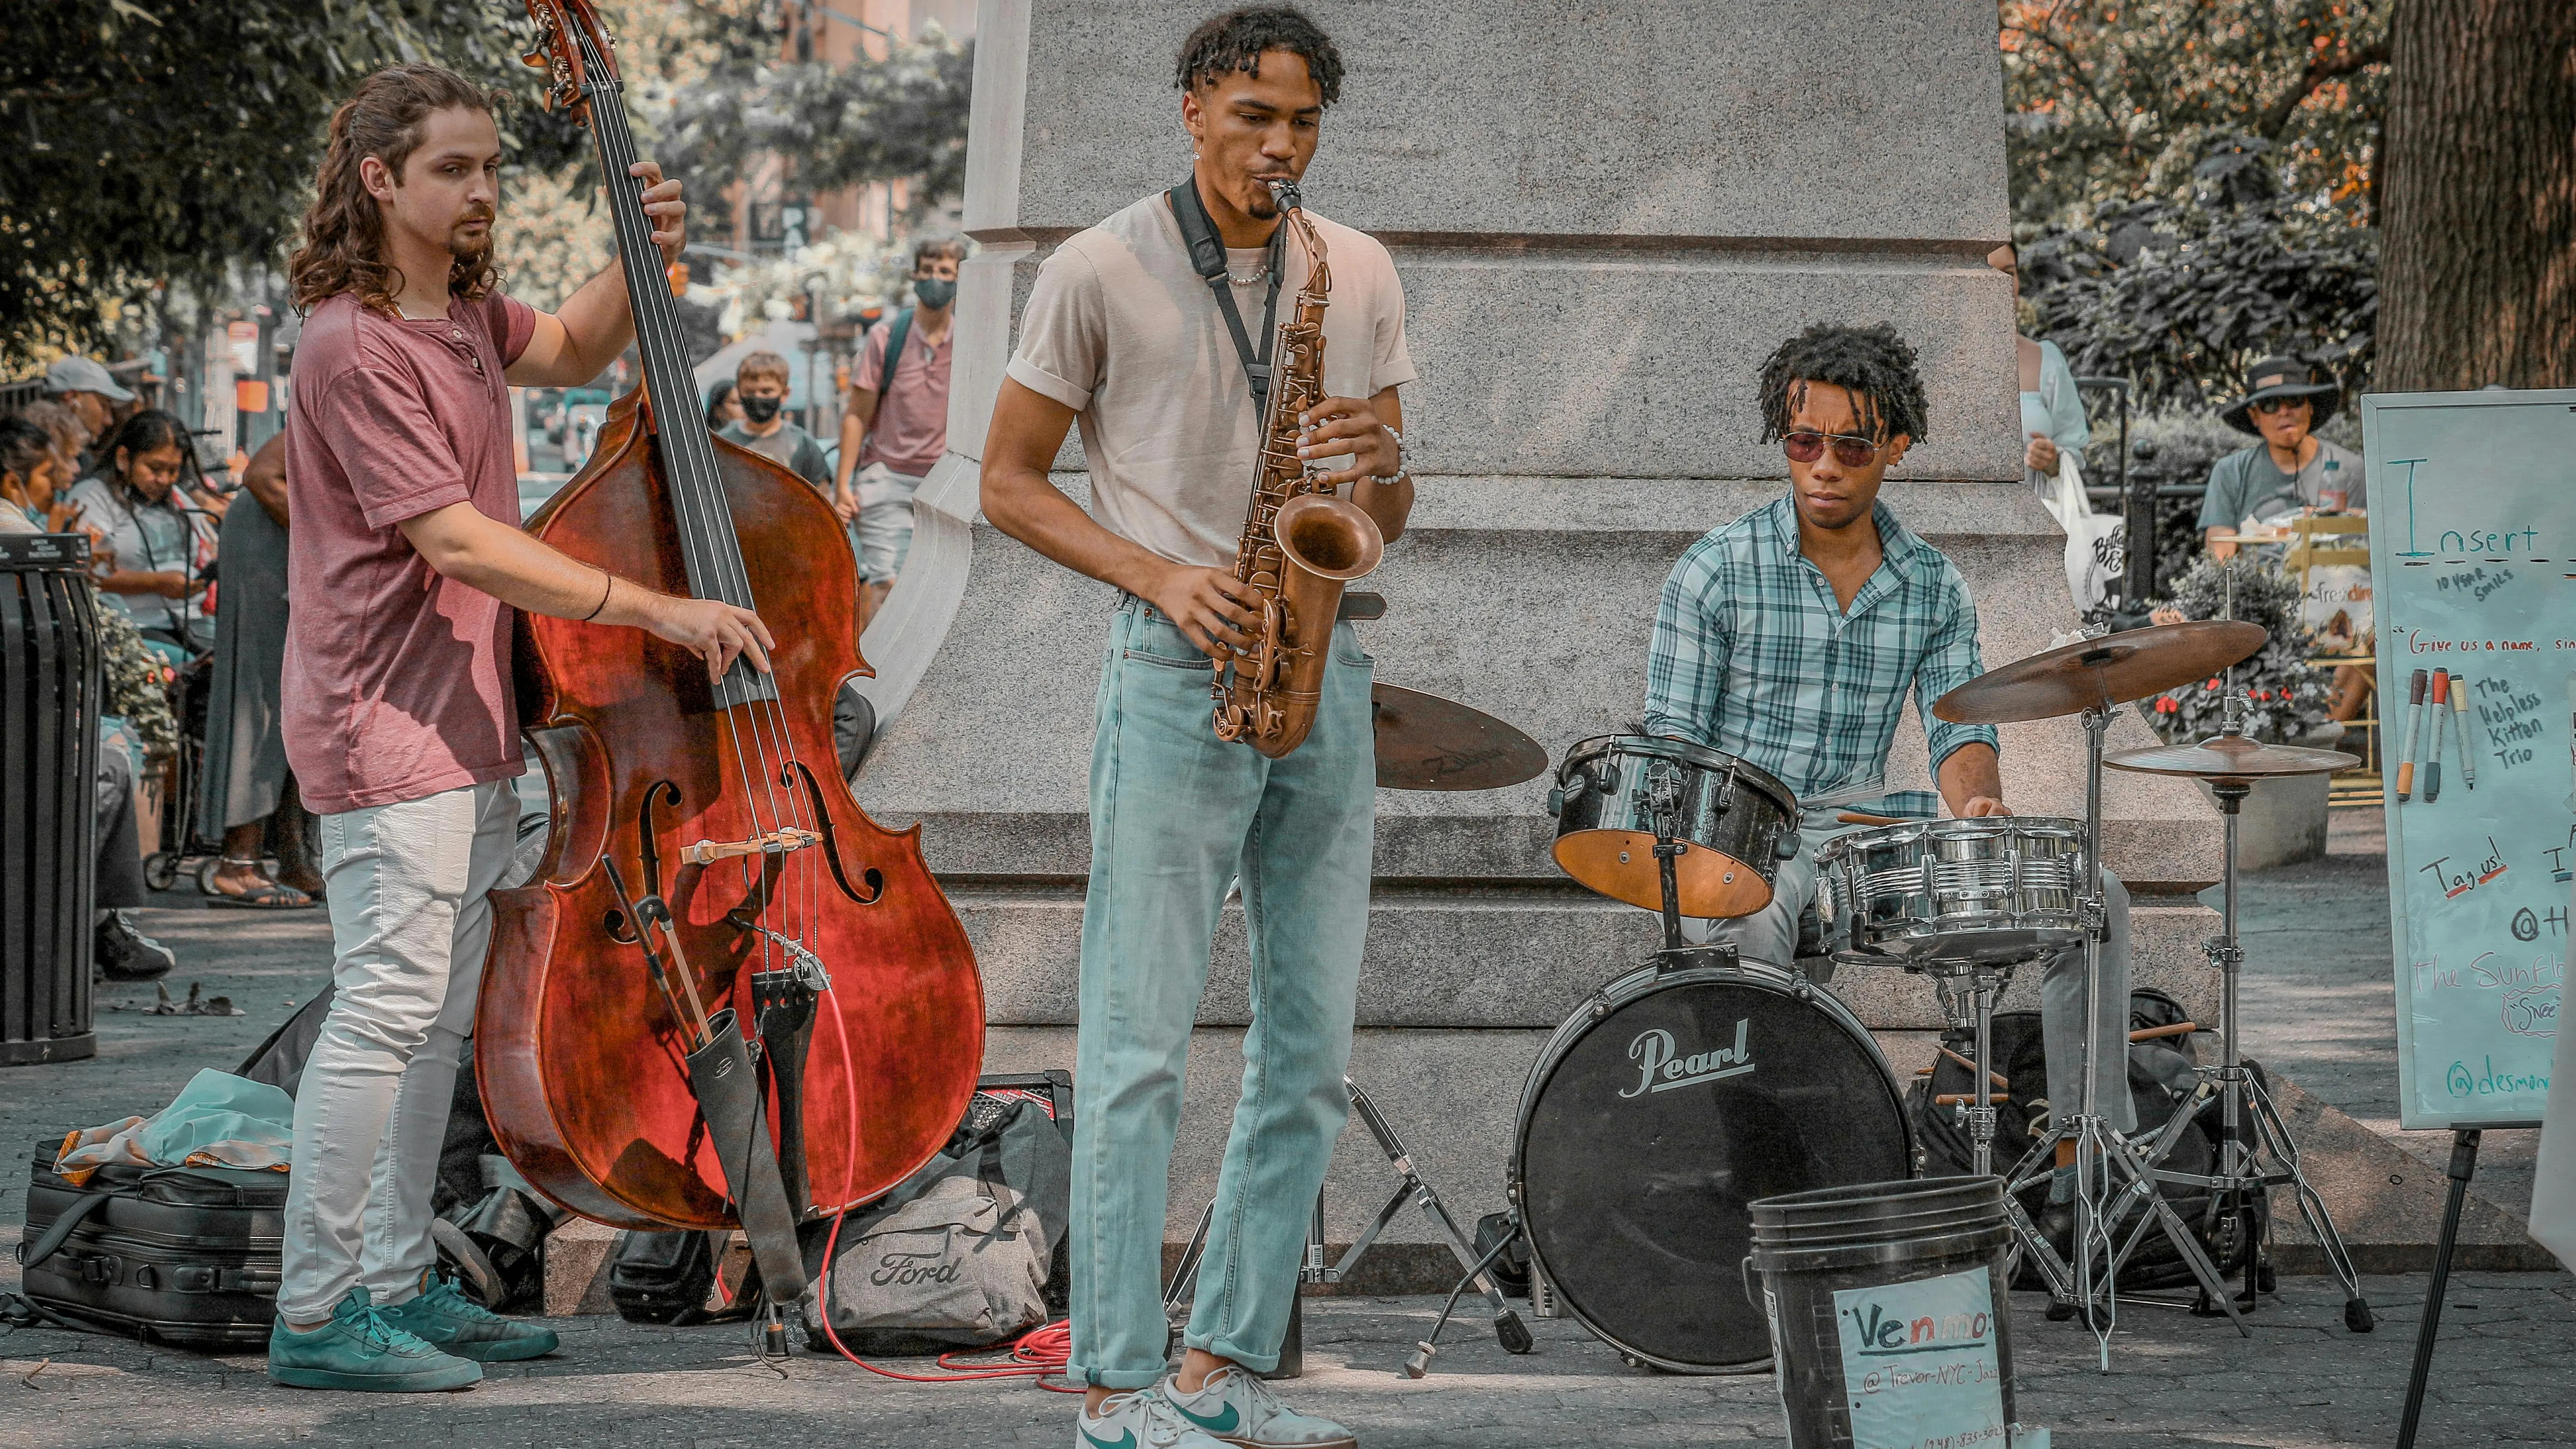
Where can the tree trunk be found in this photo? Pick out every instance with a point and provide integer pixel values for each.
(2477, 276)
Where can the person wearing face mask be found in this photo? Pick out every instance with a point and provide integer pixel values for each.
(760, 390)
(896, 424)
(134, 501)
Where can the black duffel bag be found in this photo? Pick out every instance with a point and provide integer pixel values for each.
(185, 1256)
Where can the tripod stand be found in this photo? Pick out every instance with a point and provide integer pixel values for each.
(1317, 1267)
(2102, 1152)
(2245, 1169)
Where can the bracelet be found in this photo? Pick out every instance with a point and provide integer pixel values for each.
(1401, 467)
(603, 596)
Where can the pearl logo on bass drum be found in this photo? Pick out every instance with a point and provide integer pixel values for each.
(1661, 1067)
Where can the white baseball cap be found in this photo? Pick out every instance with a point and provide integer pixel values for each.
(80, 374)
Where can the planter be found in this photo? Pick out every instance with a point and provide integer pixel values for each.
(2283, 821)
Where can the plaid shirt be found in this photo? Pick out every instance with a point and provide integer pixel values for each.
(1753, 655)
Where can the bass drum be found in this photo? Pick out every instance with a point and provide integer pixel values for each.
(1657, 1113)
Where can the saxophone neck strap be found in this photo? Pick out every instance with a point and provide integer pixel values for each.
(1207, 258)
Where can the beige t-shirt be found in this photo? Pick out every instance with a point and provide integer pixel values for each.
(1122, 331)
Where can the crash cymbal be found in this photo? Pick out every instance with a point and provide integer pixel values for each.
(2098, 673)
(1425, 742)
(2232, 757)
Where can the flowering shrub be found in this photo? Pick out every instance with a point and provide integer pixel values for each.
(2289, 696)
(138, 682)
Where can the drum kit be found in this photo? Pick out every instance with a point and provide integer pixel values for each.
(1701, 1080)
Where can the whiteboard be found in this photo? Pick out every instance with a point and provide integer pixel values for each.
(2473, 560)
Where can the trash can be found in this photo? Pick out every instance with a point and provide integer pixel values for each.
(1889, 1321)
(51, 689)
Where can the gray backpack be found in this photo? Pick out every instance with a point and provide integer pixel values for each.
(958, 1255)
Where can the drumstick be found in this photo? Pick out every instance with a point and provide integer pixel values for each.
(2441, 718)
(1998, 1077)
(1859, 817)
(2468, 755)
(1953, 1099)
(2414, 725)
(2179, 1028)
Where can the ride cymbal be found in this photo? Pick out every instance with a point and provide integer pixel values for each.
(2232, 757)
(2099, 673)
(1425, 742)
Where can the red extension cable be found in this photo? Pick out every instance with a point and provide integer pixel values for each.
(1041, 1353)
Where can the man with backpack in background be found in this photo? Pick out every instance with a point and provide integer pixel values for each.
(896, 424)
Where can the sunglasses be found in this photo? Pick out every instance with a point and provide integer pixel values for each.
(2270, 405)
(1808, 446)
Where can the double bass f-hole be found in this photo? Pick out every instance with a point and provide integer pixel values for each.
(873, 878)
(646, 850)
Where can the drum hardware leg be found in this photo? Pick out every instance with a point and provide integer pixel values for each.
(1315, 1267)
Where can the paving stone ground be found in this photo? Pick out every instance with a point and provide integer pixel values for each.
(2319, 1009)
(2300, 1383)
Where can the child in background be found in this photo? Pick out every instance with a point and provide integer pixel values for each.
(760, 386)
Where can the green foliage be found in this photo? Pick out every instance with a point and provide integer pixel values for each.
(138, 682)
(2117, 100)
(838, 125)
(2289, 696)
(2180, 296)
(160, 143)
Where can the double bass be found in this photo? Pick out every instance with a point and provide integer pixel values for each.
(707, 873)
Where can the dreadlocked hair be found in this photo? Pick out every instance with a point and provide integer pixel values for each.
(1235, 40)
(1873, 364)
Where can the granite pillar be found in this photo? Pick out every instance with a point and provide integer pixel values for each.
(1604, 218)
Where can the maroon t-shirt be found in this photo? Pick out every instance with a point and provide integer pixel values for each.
(397, 680)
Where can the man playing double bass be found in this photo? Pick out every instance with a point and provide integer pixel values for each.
(406, 561)
(1122, 331)
(1790, 638)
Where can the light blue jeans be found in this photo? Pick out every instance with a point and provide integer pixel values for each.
(1176, 817)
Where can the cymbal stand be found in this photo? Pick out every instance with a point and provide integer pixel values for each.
(2102, 1152)
(2244, 1103)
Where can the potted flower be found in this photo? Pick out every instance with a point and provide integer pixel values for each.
(2287, 698)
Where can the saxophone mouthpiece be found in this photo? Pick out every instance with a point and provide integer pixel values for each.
(1286, 195)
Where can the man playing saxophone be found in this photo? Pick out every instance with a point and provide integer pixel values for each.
(1164, 362)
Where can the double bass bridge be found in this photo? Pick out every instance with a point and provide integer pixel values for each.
(776, 842)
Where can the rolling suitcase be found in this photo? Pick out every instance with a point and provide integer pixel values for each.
(186, 1256)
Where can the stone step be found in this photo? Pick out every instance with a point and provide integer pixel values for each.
(1481, 958)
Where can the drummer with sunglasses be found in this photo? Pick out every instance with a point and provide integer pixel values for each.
(1790, 637)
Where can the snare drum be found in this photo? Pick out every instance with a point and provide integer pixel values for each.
(1734, 820)
(1999, 888)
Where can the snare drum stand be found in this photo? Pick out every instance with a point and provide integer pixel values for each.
(2241, 1172)
(2101, 1151)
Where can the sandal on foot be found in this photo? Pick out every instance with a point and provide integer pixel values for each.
(266, 895)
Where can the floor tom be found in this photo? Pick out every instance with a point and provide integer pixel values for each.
(1734, 821)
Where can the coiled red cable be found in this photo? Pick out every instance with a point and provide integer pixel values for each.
(1043, 1352)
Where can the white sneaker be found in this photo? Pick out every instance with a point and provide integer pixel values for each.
(1137, 1420)
(1239, 1408)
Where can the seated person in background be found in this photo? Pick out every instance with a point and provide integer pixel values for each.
(118, 950)
(92, 394)
(133, 500)
(760, 389)
(2291, 468)
(2052, 410)
(723, 408)
(27, 501)
(71, 440)
(1790, 639)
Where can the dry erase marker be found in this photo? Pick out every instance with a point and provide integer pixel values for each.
(2414, 728)
(2468, 753)
(2433, 756)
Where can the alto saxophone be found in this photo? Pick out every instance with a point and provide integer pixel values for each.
(1301, 542)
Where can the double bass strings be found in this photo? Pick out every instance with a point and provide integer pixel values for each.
(710, 549)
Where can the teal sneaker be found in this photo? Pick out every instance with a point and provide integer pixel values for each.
(361, 1351)
(453, 1323)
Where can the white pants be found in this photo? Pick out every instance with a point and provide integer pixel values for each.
(410, 917)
